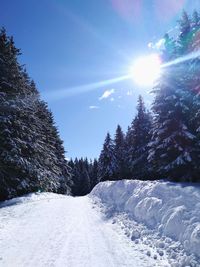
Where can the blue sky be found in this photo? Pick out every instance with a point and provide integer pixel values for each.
(70, 44)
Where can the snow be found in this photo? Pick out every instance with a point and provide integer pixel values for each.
(122, 223)
(47, 230)
(163, 215)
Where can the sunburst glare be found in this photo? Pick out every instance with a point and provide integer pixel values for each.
(145, 70)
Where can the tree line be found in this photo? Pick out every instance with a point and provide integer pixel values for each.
(31, 152)
(83, 175)
(125, 156)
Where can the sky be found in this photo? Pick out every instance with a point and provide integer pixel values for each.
(79, 54)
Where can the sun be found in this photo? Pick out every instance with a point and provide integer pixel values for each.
(146, 70)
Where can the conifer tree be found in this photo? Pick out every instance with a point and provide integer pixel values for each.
(195, 20)
(119, 153)
(74, 168)
(138, 150)
(172, 147)
(170, 51)
(107, 161)
(185, 34)
(86, 177)
(127, 151)
(193, 84)
(94, 173)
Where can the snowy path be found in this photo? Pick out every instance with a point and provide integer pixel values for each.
(66, 232)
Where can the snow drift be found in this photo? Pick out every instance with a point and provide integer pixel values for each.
(171, 210)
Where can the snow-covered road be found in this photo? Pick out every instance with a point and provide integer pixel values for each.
(64, 231)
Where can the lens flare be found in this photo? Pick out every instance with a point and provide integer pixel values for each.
(167, 9)
(182, 59)
(128, 9)
(146, 70)
(76, 90)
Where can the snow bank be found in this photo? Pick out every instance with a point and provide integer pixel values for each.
(172, 210)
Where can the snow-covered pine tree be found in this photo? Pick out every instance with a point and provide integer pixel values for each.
(24, 152)
(52, 155)
(194, 35)
(74, 168)
(171, 149)
(195, 23)
(107, 161)
(86, 177)
(196, 150)
(193, 81)
(13, 113)
(170, 51)
(94, 173)
(185, 34)
(140, 137)
(119, 152)
(195, 113)
(127, 151)
(173, 143)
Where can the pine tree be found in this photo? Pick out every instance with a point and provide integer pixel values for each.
(52, 155)
(185, 34)
(195, 20)
(75, 176)
(107, 162)
(193, 83)
(195, 111)
(94, 173)
(174, 150)
(138, 150)
(194, 41)
(170, 50)
(13, 115)
(128, 152)
(171, 149)
(86, 177)
(119, 153)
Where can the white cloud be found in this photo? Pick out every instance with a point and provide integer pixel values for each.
(129, 93)
(150, 45)
(112, 99)
(107, 93)
(93, 107)
(159, 45)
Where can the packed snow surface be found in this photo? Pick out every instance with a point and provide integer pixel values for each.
(47, 230)
(164, 215)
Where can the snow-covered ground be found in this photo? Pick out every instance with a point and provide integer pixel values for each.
(123, 223)
(162, 215)
(47, 230)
